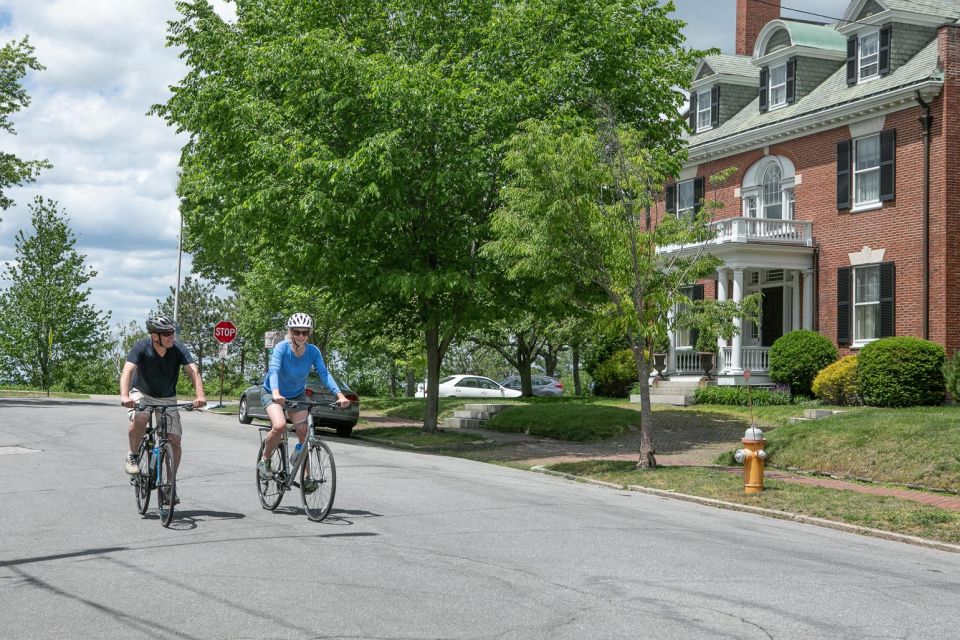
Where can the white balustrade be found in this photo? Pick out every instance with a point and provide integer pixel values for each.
(756, 358)
(688, 360)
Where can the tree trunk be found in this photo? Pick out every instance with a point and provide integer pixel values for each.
(524, 361)
(433, 378)
(393, 381)
(647, 458)
(411, 383)
(575, 357)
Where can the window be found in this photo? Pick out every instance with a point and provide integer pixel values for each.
(789, 198)
(866, 303)
(772, 193)
(468, 382)
(704, 110)
(750, 207)
(866, 171)
(685, 198)
(778, 86)
(869, 62)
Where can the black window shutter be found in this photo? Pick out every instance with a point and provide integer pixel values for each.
(888, 289)
(888, 164)
(764, 88)
(843, 305)
(885, 50)
(715, 106)
(693, 111)
(791, 80)
(671, 198)
(851, 60)
(843, 174)
(698, 196)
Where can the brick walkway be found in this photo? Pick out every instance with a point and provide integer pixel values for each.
(681, 440)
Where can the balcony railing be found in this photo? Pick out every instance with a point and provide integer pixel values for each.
(763, 230)
(756, 359)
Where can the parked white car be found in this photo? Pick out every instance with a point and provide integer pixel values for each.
(463, 386)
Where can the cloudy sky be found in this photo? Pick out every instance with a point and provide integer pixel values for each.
(115, 168)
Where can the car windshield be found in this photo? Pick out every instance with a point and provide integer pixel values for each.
(446, 380)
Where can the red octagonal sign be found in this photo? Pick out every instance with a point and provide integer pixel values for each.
(225, 331)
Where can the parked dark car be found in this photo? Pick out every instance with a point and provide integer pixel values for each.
(341, 420)
(542, 385)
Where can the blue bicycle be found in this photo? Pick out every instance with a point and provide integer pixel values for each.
(156, 462)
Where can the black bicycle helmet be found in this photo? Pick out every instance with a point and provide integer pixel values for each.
(159, 324)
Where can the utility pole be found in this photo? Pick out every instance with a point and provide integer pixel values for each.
(176, 292)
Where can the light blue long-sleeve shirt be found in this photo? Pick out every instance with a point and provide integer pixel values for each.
(288, 373)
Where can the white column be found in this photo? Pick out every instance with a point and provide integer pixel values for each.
(795, 302)
(807, 299)
(723, 276)
(672, 353)
(737, 360)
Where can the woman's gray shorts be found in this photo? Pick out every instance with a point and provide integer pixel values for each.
(266, 398)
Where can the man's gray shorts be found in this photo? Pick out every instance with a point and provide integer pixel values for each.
(173, 418)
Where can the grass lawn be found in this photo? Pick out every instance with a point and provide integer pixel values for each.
(878, 512)
(17, 393)
(416, 437)
(574, 422)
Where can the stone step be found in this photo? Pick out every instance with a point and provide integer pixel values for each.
(463, 423)
(679, 399)
(672, 391)
(474, 415)
(491, 409)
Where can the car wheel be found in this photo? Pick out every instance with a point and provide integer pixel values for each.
(243, 415)
(344, 430)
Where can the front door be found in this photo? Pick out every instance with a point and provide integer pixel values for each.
(771, 326)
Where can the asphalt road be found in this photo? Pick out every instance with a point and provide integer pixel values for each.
(418, 546)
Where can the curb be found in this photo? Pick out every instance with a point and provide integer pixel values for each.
(414, 447)
(760, 511)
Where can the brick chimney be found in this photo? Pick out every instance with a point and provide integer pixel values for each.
(752, 16)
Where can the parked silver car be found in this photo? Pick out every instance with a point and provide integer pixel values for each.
(542, 385)
(342, 420)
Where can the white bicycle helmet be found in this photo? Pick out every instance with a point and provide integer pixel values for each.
(300, 321)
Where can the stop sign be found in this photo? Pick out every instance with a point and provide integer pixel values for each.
(225, 331)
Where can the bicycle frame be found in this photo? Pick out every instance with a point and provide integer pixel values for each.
(154, 441)
(289, 473)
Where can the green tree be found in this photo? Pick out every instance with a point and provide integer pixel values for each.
(16, 59)
(579, 204)
(46, 321)
(375, 129)
(199, 310)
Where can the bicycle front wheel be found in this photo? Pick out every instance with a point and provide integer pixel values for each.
(141, 482)
(270, 491)
(318, 481)
(166, 484)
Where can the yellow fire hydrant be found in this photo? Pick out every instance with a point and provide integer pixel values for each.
(752, 457)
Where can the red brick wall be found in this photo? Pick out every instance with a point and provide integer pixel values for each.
(896, 227)
(752, 16)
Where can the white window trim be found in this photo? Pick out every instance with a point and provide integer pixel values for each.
(770, 104)
(688, 211)
(871, 204)
(857, 341)
(860, 77)
(700, 101)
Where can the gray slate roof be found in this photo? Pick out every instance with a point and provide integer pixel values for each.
(832, 92)
(946, 8)
(732, 65)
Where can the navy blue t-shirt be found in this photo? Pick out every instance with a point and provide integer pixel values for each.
(156, 376)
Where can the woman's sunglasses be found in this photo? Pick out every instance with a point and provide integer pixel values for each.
(297, 332)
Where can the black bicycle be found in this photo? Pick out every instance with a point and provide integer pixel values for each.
(156, 462)
(314, 464)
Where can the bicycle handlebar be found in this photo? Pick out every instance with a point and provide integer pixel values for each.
(294, 404)
(164, 408)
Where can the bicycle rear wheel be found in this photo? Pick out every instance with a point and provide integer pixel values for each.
(166, 484)
(318, 473)
(270, 491)
(141, 481)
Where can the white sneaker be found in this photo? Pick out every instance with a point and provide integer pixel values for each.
(131, 466)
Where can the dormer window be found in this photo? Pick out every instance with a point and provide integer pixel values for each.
(704, 110)
(868, 55)
(778, 86)
(869, 62)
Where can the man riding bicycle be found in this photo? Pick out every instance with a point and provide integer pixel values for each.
(286, 379)
(153, 368)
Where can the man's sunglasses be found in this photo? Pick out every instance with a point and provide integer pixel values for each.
(164, 334)
(296, 332)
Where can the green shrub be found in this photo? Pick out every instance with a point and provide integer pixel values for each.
(951, 374)
(615, 376)
(715, 394)
(797, 357)
(837, 383)
(901, 372)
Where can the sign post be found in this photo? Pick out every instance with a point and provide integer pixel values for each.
(224, 332)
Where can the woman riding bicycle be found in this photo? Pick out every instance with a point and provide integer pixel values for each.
(286, 379)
